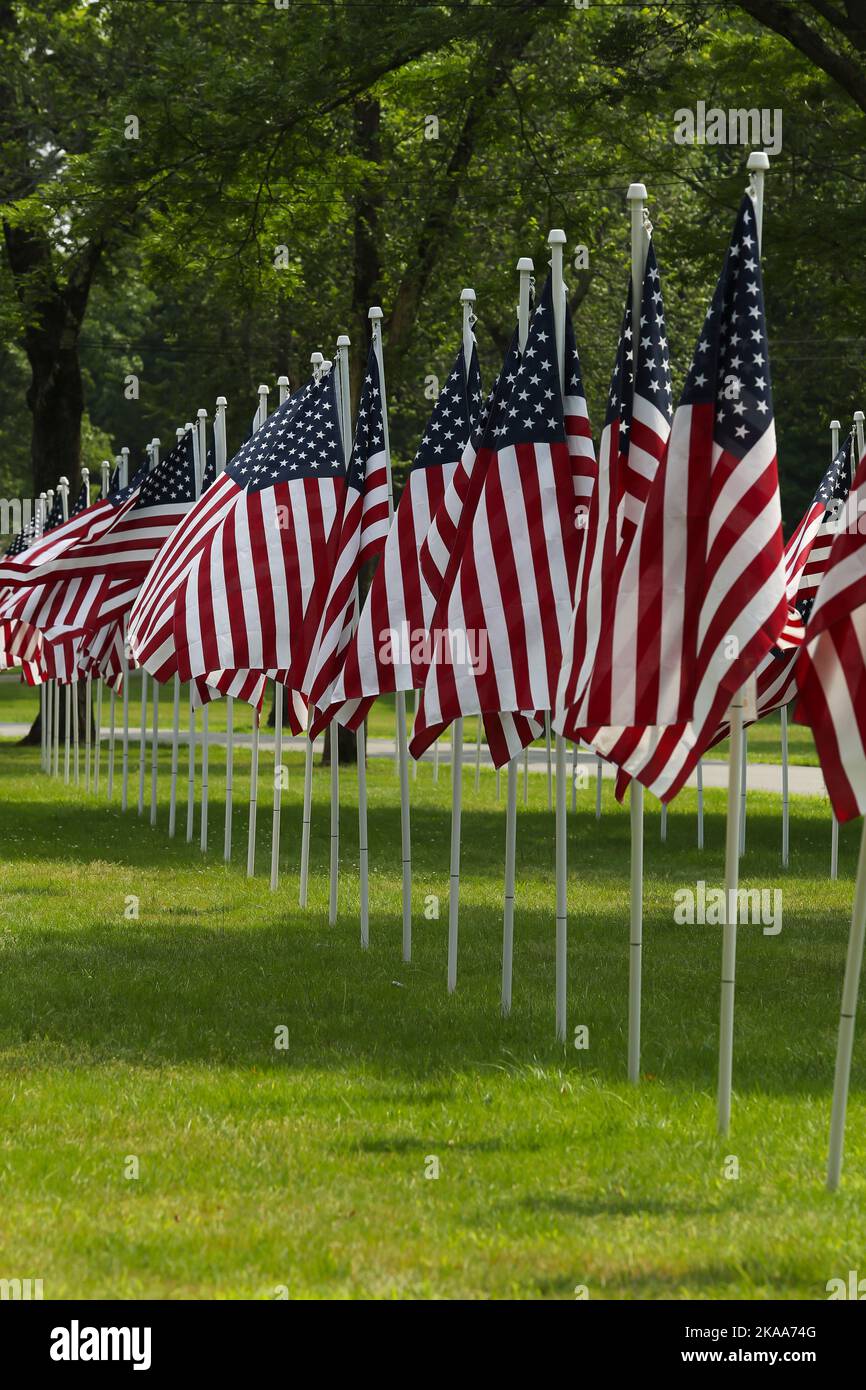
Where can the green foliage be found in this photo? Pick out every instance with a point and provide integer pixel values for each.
(248, 142)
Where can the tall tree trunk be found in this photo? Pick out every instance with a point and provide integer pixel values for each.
(54, 314)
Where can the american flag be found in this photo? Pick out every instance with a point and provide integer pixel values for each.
(701, 595)
(636, 431)
(363, 531)
(806, 557)
(85, 593)
(86, 525)
(242, 583)
(145, 514)
(499, 625)
(831, 670)
(387, 650)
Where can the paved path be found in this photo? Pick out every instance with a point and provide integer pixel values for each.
(765, 777)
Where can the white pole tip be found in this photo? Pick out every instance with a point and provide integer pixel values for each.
(556, 237)
(858, 415)
(201, 413)
(467, 296)
(221, 401)
(636, 192)
(375, 312)
(281, 381)
(835, 425)
(758, 159)
(526, 263)
(317, 358)
(344, 340)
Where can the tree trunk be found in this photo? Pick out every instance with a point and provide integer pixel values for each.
(54, 315)
(33, 737)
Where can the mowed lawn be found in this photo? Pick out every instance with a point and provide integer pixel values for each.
(149, 1045)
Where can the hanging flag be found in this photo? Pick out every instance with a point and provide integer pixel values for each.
(831, 668)
(496, 636)
(363, 532)
(636, 431)
(246, 574)
(701, 595)
(807, 555)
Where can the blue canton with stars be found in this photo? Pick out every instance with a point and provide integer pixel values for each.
(834, 487)
(209, 469)
(369, 426)
(731, 365)
(619, 398)
(301, 439)
(173, 479)
(532, 413)
(455, 415)
(653, 358)
(501, 388)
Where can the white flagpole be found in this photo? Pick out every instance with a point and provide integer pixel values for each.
(175, 752)
(154, 747)
(556, 241)
(254, 793)
(785, 820)
(284, 392)
(200, 465)
(97, 749)
(549, 750)
(525, 268)
(261, 417)
(220, 461)
(743, 789)
(636, 197)
(63, 489)
(417, 696)
(88, 719)
(663, 824)
(758, 163)
(112, 720)
(122, 461)
(334, 863)
(342, 359)
(598, 788)
(400, 697)
(478, 754)
(303, 882)
(835, 428)
(700, 780)
(467, 300)
(142, 742)
(574, 776)
(845, 1044)
(190, 777)
(526, 776)
(278, 785)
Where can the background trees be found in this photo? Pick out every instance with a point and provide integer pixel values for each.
(199, 196)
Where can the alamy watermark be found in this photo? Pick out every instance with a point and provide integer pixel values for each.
(760, 127)
(703, 906)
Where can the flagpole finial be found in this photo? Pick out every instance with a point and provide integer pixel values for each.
(344, 340)
(526, 263)
(556, 237)
(835, 425)
(375, 312)
(859, 416)
(467, 296)
(201, 414)
(758, 159)
(317, 358)
(221, 401)
(636, 193)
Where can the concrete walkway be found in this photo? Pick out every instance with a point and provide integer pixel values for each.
(764, 777)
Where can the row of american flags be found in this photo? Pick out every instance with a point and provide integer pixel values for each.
(627, 595)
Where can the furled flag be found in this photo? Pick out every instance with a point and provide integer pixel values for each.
(388, 650)
(831, 670)
(363, 532)
(806, 557)
(247, 571)
(701, 595)
(636, 431)
(497, 632)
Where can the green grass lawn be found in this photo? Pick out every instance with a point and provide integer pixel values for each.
(304, 1169)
